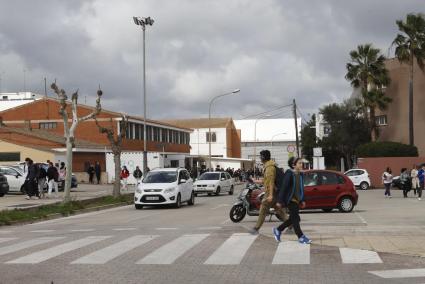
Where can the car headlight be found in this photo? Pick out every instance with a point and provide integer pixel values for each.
(138, 190)
(169, 190)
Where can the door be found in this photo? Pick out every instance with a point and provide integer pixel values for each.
(329, 188)
(184, 186)
(189, 185)
(311, 189)
(13, 179)
(223, 182)
(355, 176)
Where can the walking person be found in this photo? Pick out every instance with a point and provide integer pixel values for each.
(98, 171)
(52, 177)
(269, 199)
(415, 179)
(292, 197)
(387, 180)
(137, 174)
(405, 181)
(124, 177)
(31, 179)
(62, 175)
(90, 172)
(41, 179)
(421, 176)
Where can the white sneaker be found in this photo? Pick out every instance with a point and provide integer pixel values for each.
(390, 196)
(27, 197)
(419, 199)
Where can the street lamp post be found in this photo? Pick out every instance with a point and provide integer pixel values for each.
(271, 141)
(255, 138)
(143, 22)
(209, 122)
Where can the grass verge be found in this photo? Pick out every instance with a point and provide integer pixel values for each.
(9, 217)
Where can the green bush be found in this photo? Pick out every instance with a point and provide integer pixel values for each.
(386, 149)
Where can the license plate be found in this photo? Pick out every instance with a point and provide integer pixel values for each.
(152, 198)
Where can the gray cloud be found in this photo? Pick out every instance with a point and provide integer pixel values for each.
(272, 50)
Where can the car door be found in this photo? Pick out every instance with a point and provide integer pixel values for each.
(12, 178)
(189, 185)
(311, 189)
(329, 189)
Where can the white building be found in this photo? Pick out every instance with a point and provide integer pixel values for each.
(11, 100)
(276, 135)
(322, 128)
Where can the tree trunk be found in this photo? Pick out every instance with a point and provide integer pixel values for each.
(411, 130)
(373, 129)
(68, 176)
(117, 183)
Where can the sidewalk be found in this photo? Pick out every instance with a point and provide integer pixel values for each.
(84, 191)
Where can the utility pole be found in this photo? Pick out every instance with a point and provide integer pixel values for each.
(297, 140)
(45, 87)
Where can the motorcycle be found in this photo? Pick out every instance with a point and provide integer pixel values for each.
(249, 202)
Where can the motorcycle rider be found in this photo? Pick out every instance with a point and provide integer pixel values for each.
(269, 199)
(292, 197)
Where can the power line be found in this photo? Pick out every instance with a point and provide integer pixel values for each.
(266, 112)
(302, 115)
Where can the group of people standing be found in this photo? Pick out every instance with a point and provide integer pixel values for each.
(37, 177)
(93, 170)
(408, 180)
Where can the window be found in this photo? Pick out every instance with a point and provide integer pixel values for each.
(47, 125)
(381, 120)
(174, 163)
(223, 176)
(329, 178)
(311, 179)
(164, 135)
(137, 132)
(341, 179)
(149, 133)
(156, 134)
(211, 137)
(10, 157)
(8, 171)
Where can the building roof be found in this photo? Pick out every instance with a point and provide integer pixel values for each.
(280, 129)
(201, 122)
(47, 136)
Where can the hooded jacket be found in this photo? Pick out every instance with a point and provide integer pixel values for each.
(286, 195)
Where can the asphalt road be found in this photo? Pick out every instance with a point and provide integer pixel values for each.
(193, 244)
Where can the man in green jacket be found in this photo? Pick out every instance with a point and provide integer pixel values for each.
(269, 199)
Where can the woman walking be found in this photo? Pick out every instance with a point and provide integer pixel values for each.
(387, 179)
(124, 176)
(405, 182)
(415, 179)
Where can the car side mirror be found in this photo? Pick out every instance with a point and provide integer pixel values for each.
(183, 181)
(223, 179)
(18, 175)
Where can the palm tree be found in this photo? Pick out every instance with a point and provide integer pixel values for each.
(410, 44)
(367, 71)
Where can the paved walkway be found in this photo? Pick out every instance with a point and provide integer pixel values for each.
(84, 191)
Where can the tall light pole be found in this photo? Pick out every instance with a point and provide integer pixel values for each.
(271, 141)
(143, 22)
(209, 122)
(255, 137)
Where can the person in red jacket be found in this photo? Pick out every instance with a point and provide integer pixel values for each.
(124, 176)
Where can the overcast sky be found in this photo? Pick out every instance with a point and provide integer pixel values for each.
(273, 50)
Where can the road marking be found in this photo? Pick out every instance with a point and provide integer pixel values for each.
(27, 244)
(2, 240)
(232, 250)
(168, 253)
(82, 230)
(124, 229)
(400, 273)
(165, 229)
(49, 253)
(349, 255)
(360, 217)
(292, 252)
(106, 254)
(219, 206)
(42, 231)
(209, 228)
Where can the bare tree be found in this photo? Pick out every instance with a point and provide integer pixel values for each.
(70, 130)
(116, 147)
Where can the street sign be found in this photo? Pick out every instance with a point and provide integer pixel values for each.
(291, 148)
(317, 152)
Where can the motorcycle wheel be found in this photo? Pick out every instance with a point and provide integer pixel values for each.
(237, 213)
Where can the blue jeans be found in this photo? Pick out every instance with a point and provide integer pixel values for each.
(387, 189)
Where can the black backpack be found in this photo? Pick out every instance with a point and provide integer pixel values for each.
(280, 173)
(41, 172)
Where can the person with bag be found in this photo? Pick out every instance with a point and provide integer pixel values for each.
(387, 180)
(31, 179)
(52, 177)
(405, 182)
(269, 200)
(124, 177)
(41, 179)
(138, 174)
(292, 197)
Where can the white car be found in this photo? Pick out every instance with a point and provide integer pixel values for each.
(360, 178)
(165, 186)
(214, 182)
(15, 178)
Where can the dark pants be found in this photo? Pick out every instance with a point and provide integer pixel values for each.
(91, 178)
(31, 188)
(420, 189)
(98, 177)
(406, 189)
(294, 219)
(387, 189)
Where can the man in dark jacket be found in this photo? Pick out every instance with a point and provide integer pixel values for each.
(137, 174)
(31, 179)
(52, 177)
(292, 197)
(98, 171)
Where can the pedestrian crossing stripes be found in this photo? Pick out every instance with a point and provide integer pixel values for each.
(400, 273)
(168, 253)
(232, 251)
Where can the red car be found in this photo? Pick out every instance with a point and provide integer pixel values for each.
(327, 190)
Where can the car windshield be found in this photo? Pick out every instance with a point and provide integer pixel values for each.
(160, 177)
(210, 176)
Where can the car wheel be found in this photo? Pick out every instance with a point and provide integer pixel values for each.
(209, 194)
(1, 194)
(345, 204)
(327, 210)
(237, 213)
(231, 190)
(178, 201)
(138, 206)
(364, 185)
(192, 199)
(195, 194)
(217, 191)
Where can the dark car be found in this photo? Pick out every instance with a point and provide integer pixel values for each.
(327, 190)
(4, 186)
(74, 183)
